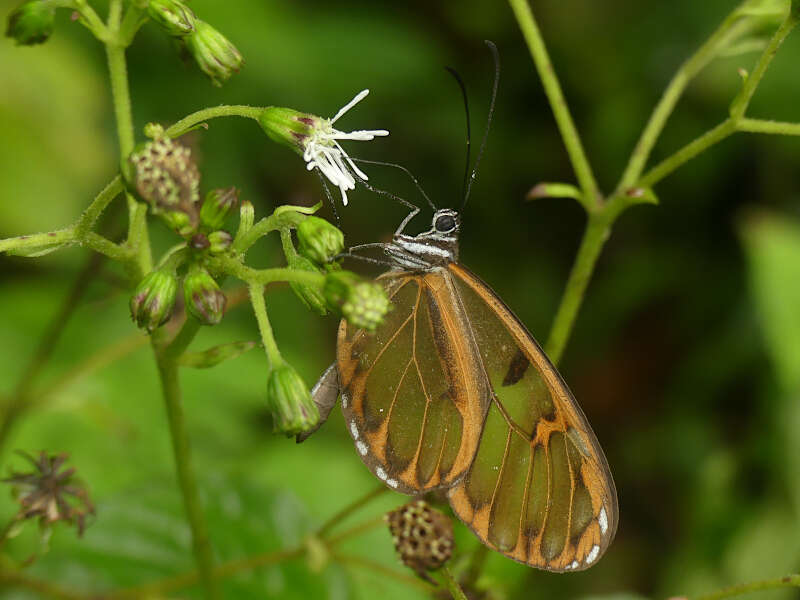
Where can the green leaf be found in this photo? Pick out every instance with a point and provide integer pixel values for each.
(772, 244)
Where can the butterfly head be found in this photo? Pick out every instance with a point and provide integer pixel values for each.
(435, 247)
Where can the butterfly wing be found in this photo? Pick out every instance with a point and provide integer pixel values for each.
(539, 490)
(414, 395)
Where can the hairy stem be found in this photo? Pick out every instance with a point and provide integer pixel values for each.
(552, 87)
(264, 327)
(201, 544)
(190, 121)
(755, 586)
(452, 584)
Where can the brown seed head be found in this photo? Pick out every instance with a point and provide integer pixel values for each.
(423, 536)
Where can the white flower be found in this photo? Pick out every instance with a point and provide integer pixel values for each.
(322, 150)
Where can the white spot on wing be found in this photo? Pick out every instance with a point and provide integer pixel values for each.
(354, 430)
(392, 482)
(344, 402)
(362, 447)
(592, 556)
(381, 473)
(573, 565)
(602, 519)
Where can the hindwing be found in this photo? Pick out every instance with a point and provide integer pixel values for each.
(539, 489)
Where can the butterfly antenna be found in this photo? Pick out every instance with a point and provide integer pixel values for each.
(496, 58)
(330, 197)
(406, 171)
(463, 88)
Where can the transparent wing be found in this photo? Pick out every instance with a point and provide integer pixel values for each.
(413, 394)
(539, 489)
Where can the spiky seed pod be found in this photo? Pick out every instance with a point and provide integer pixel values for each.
(422, 536)
(166, 177)
(363, 303)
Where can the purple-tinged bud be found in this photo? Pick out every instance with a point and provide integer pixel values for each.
(216, 56)
(217, 206)
(173, 16)
(363, 303)
(203, 298)
(289, 401)
(319, 240)
(289, 127)
(153, 299)
(200, 241)
(31, 22)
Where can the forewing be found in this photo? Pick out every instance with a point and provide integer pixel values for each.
(413, 394)
(539, 490)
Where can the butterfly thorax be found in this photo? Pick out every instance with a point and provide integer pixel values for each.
(430, 249)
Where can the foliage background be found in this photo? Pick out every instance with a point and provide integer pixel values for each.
(685, 357)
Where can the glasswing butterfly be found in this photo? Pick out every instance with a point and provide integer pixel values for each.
(453, 393)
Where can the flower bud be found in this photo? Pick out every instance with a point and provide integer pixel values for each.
(423, 536)
(362, 303)
(31, 22)
(289, 401)
(319, 240)
(310, 295)
(153, 299)
(173, 16)
(219, 241)
(288, 127)
(217, 206)
(203, 298)
(166, 177)
(213, 52)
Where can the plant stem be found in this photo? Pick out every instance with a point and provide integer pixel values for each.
(452, 584)
(552, 87)
(265, 276)
(765, 126)
(118, 72)
(168, 370)
(350, 509)
(190, 121)
(728, 30)
(37, 240)
(755, 586)
(98, 205)
(598, 228)
(260, 309)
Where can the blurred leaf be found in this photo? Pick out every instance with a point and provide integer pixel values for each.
(214, 356)
(772, 243)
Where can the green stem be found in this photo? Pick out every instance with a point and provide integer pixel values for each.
(552, 88)
(38, 240)
(190, 121)
(688, 152)
(765, 126)
(118, 71)
(260, 309)
(98, 205)
(598, 228)
(91, 20)
(350, 509)
(168, 370)
(755, 586)
(452, 584)
(104, 246)
(265, 276)
(730, 28)
(742, 100)
(134, 18)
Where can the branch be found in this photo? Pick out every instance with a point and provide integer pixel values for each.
(788, 581)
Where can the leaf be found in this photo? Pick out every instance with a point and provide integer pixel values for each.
(772, 244)
(216, 355)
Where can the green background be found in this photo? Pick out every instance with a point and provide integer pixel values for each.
(685, 356)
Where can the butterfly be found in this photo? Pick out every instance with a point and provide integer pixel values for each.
(452, 393)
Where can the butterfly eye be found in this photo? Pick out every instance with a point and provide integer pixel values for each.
(445, 224)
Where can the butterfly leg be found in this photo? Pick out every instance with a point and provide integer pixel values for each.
(324, 393)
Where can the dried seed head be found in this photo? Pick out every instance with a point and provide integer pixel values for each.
(167, 178)
(423, 536)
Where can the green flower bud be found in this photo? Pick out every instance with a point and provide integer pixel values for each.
(289, 401)
(247, 216)
(310, 295)
(203, 298)
(166, 177)
(173, 16)
(319, 240)
(220, 241)
(213, 52)
(288, 127)
(217, 206)
(153, 299)
(31, 22)
(362, 303)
